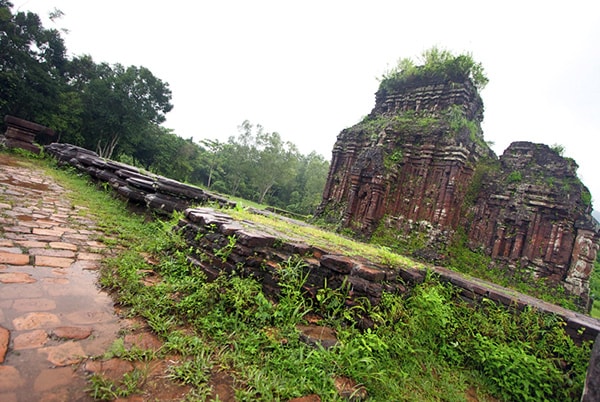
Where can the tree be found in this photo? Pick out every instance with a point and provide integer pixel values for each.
(32, 62)
(276, 162)
(238, 161)
(118, 104)
(311, 180)
(165, 153)
(213, 158)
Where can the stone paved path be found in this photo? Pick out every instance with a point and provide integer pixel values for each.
(52, 313)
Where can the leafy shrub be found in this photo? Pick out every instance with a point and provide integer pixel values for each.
(514, 177)
(515, 374)
(437, 65)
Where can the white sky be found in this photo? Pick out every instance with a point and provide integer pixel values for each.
(308, 69)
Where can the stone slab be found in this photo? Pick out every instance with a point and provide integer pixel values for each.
(16, 277)
(64, 354)
(75, 333)
(34, 304)
(14, 258)
(58, 262)
(30, 340)
(50, 379)
(35, 320)
(10, 379)
(4, 340)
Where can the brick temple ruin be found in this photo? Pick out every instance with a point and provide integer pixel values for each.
(418, 165)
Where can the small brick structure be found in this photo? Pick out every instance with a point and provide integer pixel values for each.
(21, 133)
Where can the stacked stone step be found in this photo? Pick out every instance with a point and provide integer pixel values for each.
(158, 193)
(21, 133)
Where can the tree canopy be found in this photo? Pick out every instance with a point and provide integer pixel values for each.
(101, 107)
(117, 111)
(32, 65)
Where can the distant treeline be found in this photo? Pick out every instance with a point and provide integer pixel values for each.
(117, 111)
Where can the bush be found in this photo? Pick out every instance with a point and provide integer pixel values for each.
(438, 66)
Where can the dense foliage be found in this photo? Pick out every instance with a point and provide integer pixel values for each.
(117, 111)
(436, 66)
(97, 106)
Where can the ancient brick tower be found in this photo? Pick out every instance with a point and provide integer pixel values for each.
(418, 166)
(411, 159)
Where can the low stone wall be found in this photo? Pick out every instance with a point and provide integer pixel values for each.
(223, 244)
(158, 193)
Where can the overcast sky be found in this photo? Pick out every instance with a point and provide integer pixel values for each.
(308, 69)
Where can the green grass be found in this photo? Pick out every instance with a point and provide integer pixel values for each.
(427, 346)
(595, 290)
(316, 236)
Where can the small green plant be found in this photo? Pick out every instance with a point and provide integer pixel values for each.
(292, 306)
(331, 304)
(514, 177)
(195, 371)
(559, 149)
(118, 349)
(586, 197)
(516, 374)
(104, 389)
(224, 252)
(595, 289)
(393, 159)
(437, 64)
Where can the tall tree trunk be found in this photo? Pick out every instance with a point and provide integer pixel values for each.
(264, 193)
(107, 151)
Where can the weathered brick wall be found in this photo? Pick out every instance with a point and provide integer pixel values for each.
(225, 245)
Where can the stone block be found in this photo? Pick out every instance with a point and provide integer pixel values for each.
(172, 187)
(144, 184)
(254, 238)
(164, 203)
(338, 263)
(369, 273)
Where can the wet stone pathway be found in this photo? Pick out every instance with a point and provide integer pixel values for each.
(52, 313)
